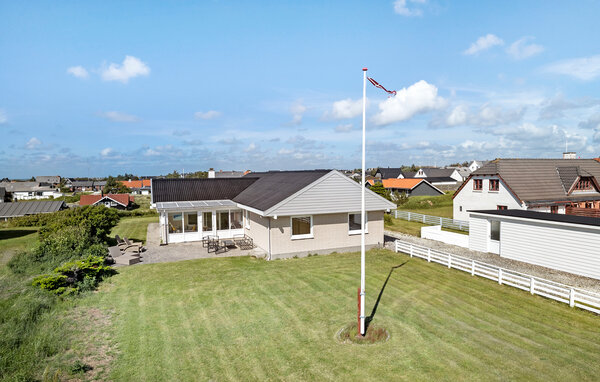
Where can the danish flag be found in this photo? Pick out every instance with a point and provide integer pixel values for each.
(377, 85)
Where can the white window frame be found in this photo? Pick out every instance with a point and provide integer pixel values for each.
(303, 236)
(247, 218)
(357, 231)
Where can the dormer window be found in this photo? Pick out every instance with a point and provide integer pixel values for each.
(477, 184)
(494, 185)
(584, 184)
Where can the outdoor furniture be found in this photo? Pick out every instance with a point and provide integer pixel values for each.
(243, 241)
(134, 244)
(215, 245)
(124, 244)
(207, 238)
(228, 243)
(121, 257)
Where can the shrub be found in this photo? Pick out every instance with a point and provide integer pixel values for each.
(387, 219)
(75, 276)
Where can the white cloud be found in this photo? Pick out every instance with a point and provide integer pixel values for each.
(297, 110)
(3, 117)
(346, 108)
(33, 143)
(130, 68)
(490, 115)
(206, 115)
(345, 128)
(284, 151)
(116, 116)
(401, 7)
(483, 43)
(521, 49)
(458, 116)
(584, 68)
(78, 71)
(417, 98)
(251, 147)
(107, 152)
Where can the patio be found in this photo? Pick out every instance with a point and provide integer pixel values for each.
(156, 253)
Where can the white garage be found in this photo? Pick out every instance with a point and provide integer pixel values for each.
(564, 242)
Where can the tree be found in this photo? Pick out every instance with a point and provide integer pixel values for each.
(174, 174)
(114, 186)
(380, 190)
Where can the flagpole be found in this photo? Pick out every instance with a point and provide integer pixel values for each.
(362, 212)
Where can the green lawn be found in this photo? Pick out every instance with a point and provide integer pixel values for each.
(231, 319)
(443, 211)
(413, 228)
(134, 228)
(15, 239)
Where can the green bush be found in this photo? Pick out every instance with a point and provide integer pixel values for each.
(75, 276)
(387, 219)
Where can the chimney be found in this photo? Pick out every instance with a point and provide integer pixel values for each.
(211, 173)
(570, 155)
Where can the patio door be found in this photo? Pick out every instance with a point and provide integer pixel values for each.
(207, 223)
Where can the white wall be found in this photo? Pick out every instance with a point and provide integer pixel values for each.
(485, 199)
(479, 234)
(435, 233)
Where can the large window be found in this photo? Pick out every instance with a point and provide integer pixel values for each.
(236, 219)
(207, 221)
(354, 224)
(222, 220)
(175, 220)
(495, 230)
(301, 227)
(494, 184)
(585, 184)
(478, 184)
(191, 221)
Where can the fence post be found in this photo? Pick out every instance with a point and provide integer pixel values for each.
(472, 267)
(408, 217)
(441, 223)
(429, 255)
(449, 261)
(423, 219)
(572, 297)
(532, 286)
(411, 250)
(500, 276)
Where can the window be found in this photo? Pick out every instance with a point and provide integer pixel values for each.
(554, 209)
(236, 219)
(175, 222)
(222, 220)
(589, 205)
(207, 221)
(477, 184)
(301, 227)
(585, 184)
(460, 208)
(495, 230)
(354, 224)
(191, 221)
(501, 208)
(494, 185)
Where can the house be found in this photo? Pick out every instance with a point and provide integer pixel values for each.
(226, 174)
(82, 185)
(286, 213)
(140, 187)
(99, 185)
(410, 187)
(477, 164)
(567, 243)
(14, 209)
(546, 185)
(4, 196)
(53, 180)
(389, 172)
(464, 172)
(30, 190)
(118, 201)
(435, 172)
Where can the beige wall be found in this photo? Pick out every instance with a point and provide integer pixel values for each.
(258, 231)
(330, 234)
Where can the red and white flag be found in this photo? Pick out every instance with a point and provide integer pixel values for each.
(377, 85)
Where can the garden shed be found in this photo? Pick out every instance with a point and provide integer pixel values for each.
(564, 242)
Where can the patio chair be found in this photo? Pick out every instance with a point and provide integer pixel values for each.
(215, 245)
(124, 245)
(134, 244)
(206, 239)
(243, 241)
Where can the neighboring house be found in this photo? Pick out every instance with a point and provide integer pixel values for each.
(410, 187)
(82, 185)
(477, 164)
(564, 242)
(15, 209)
(286, 213)
(118, 201)
(140, 187)
(226, 174)
(464, 172)
(99, 185)
(546, 185)
(4, 196)
(436, 173)
(53, 180)
(31, 190)
(389, 172)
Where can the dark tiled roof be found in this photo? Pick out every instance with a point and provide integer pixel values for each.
(540, 179)
(180, 190)
(229, 174)
(82, 183)
(439, 179)
(390, 172)
(574, 219)
(2, 193)
(438, 172)
(274, 186)
(29, 208)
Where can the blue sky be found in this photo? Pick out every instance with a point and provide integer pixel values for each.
(98, 88)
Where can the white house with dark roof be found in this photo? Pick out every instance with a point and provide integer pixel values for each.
(286, 213)
(30, 190)
(545, 185)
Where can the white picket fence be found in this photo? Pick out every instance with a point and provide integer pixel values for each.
(459, 225)
(569, 295)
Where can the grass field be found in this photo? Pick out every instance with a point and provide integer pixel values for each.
(245, 319)
(134, 228)
(430, 205)
(13, 240)
(412, 228)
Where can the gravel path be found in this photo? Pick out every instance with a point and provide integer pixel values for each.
(586, 283)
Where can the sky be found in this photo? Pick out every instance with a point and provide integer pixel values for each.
(100, 88)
